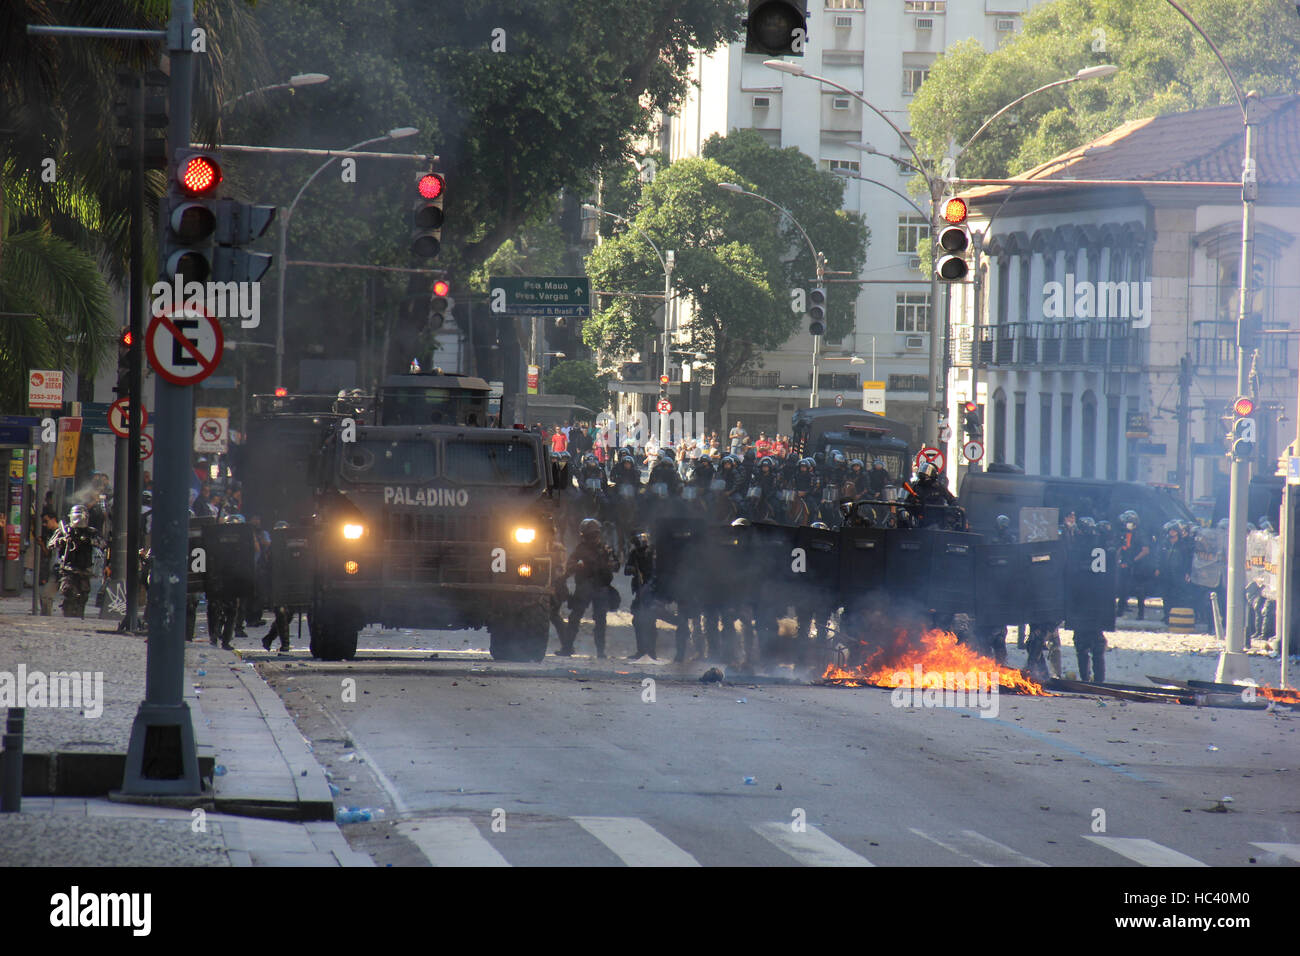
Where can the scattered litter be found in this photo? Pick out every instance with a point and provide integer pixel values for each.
(219, 770)
(742, 700)
(711, 676)
(352, 815)
(203, 673)
(334, 789)
(1211, 747)
(779, 787)
(350, 757)
(303, 774)
(750, 781)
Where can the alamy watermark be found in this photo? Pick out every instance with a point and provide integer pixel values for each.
(918, 688)
(1074, 299)
(83, 690)
(220, 300)
(639, 428)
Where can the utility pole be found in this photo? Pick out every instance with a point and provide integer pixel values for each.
(1184, 415)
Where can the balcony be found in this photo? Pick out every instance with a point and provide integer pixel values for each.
(1079, 343)
(756, 380)
(1214, 348)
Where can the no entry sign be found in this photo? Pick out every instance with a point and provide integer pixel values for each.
(184, 345)
(664, 407)
(930, 454)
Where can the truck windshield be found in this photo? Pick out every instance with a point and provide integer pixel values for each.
(491, 462)
(434, 406)
(387, 461)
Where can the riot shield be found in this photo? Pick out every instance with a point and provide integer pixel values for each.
(725, 567)
(196, 579)
(231, 572)
(819, 555)
(291, 567)
(951, 582)
(862, 564)
(678, 546)
(908, 555)
(773, 561)
(1090, 587)
(1015, 583)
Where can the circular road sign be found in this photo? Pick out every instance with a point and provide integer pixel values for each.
(146, 447)
(973, 450)
(184, 345)
(118, 421)
(931, 454)
(664, 407)
(839, 401)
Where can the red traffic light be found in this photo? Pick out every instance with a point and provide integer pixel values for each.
(199, 175)
(281, 391)
(664, 380)
(441, 287)
(431, 185)
(126, 338)
(969, 407)
(1243, 407)
(954, 210)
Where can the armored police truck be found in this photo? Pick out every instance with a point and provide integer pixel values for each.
(423, 517)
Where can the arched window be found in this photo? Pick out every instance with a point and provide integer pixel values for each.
(999, 426)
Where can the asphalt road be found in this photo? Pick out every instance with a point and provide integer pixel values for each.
(575, 762)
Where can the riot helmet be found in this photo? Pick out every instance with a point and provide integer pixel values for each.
(1103, 526)
(640, 540)
(928, 471)
(807, 464)
(233, 519)
(79, 517)
(1088, 525)
(279, 525)
(666, 455)
(1003, 523)
(856, 465)
(589, 530)
(766, 462)
(837, 457)
(820, 526)
(740, 523)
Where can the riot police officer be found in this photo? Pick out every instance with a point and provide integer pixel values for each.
(1135, 564)
(75, 547)
(280, 622)
(640, 568)
(592, 567)
(878, 479)
(1085, 616)
(1173, 568)
(858, 475)
(664, 472)
(729, 472)
(223, 605)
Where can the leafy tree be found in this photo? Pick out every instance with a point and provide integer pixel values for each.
(577, 83)
(737, 258)
(1163, 65)
(579, 378)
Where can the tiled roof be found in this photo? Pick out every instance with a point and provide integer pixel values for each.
(1197, 146)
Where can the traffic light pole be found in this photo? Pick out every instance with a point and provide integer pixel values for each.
(162, 758)
(135, 371)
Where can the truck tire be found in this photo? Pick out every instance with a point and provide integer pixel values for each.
(520, 636)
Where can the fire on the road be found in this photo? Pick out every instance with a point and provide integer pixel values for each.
(896, 662)
(1280, 695)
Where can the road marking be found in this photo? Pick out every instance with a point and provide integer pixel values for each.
(1145, 852)
(811, 847)
(636, 842)
(951, 849)
(451, 841)
(1006, 856)
(1289, 850)
(390, 788)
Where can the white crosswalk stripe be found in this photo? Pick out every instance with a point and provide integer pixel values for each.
(1145, 852)
(636, 842)
(451, 841)
(810, 847)
(1000, 853)
(1289, 850)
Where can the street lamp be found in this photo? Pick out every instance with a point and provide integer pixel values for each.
(667, 262)
(936, 186)
(819, 261)
(295, 81)
(400, 132)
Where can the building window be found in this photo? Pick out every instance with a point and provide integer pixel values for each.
(1004, 281)
(1112, 438)
(912, 231)
(1089, 425)
(843, 4)
(912, 312)
(909, 383)
(913, 77)
(848, 165)
(1045, 435)
(1067, 434)
(1021, 429)
(924, 6)
(1000, 427)
(840, 102)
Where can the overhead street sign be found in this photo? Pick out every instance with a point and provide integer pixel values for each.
(554, 296)
(184, 345)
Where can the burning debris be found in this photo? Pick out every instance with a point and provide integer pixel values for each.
(1280, 695)
(934, 661)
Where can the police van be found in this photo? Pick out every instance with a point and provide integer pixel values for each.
(985, 495)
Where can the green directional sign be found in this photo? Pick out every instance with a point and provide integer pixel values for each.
(555, 296)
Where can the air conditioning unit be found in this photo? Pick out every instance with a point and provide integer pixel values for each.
(925, 23)
(762, 102)
(843, 23)
(914, 263)
(839, 102)
(1005, 25)
(915, 343)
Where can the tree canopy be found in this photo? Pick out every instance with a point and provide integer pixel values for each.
(1164, 67)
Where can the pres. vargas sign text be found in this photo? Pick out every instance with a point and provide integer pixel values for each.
(426, 497)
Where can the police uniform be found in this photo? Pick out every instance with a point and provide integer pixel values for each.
(592, 566)
(640, 568)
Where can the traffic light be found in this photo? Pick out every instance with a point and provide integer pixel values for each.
(952, 242)
(776, 27)
(191, 216)
(663, 387)
(426, 215)
(124, 341)
(817, 311)
(239, 223)
(1243, 434)
(132, 89)
(972, 421)
(441, 303)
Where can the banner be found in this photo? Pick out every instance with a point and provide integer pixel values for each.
(65, 453)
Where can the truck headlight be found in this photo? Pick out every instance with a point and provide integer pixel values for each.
(353, 531)
(525, 535)
(351, 567)
(525, 571)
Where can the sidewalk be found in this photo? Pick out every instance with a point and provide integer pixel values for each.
(249, 748)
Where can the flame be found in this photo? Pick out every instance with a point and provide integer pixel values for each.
(892, 664)
(1282, 695)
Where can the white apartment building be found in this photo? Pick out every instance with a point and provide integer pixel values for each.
(881, 49)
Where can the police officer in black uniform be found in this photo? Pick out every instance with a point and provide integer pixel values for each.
(76, 550)
(1089, 639)
(640, 568)
(592, 567)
